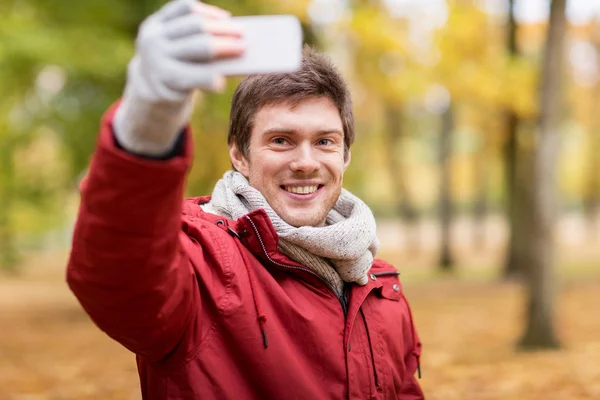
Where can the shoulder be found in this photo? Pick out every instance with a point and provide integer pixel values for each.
(380, 265)
(388, 276)
(191, 207)
(192, 210)
(203, 227)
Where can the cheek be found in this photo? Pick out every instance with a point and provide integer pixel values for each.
(269, 166)
(337, 167)
(263, 174)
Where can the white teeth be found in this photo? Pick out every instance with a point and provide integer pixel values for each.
(301, 189)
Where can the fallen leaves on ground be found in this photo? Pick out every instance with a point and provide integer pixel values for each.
(49, 349)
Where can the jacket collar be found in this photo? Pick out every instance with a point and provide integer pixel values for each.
(258, 235)
(254, 230)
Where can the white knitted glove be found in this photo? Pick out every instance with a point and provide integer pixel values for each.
(174, 48)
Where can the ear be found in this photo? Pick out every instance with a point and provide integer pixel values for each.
(347, 160)
(239, 162)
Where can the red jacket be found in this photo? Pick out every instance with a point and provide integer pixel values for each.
(213, 310)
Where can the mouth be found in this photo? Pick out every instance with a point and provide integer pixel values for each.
(304, 190)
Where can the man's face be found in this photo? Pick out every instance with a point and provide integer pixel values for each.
(296, 159)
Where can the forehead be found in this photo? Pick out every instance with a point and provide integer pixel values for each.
(313, 113)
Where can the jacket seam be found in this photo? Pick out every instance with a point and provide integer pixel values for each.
(226, 264)
(163, 334)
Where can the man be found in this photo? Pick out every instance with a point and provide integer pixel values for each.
(266, 290)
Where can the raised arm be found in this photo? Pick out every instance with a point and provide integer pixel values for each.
(129, 266)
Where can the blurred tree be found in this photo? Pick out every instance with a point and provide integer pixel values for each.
(396, 147)
(480, 205)
(512, 262)
(470, 67)
(61, 66)
(481, 79)
(515, 167)
(59, 69)
(462, 54)
(446, 261)
(592, 189)
(487, 141)
(8, 251)
(388, 66)
(540, 193)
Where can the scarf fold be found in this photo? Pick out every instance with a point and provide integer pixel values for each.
(342, 251)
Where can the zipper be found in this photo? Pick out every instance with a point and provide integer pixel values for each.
(342, 299)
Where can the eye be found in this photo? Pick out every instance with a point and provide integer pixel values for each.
(279, 141)
(325, 142)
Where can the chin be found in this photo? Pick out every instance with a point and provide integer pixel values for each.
(298, 221)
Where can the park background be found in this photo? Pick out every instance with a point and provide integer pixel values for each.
(478, 148)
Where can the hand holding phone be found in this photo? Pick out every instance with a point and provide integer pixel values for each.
(189, 45)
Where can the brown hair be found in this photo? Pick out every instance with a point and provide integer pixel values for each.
(317, 77)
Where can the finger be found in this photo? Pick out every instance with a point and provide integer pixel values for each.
(208, 10)
(226, 47)
(194, 24)
(225, 27)
(205, 47)
(175, 9)
(192, 48)
(188, 76)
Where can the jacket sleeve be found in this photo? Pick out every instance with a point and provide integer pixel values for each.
(128, 265)
(411, 390)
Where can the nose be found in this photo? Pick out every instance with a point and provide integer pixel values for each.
(304, 160)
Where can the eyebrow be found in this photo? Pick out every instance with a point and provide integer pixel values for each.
(292, 131)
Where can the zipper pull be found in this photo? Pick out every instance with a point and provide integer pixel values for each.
(225, 226)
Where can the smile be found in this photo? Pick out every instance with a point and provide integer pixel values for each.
(303, 190)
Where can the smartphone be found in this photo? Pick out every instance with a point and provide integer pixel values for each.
(273, 45)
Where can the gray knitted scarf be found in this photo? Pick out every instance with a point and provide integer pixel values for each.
(342, 251)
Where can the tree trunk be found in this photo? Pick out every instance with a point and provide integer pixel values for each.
(592, 201)
(395, 149)
(445, 206)
(8, 250)
(540, 206)
(513, 263)
(592, 195)
(480, 207)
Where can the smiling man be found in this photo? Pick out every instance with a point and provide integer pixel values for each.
(296, 155)
(267, 289)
